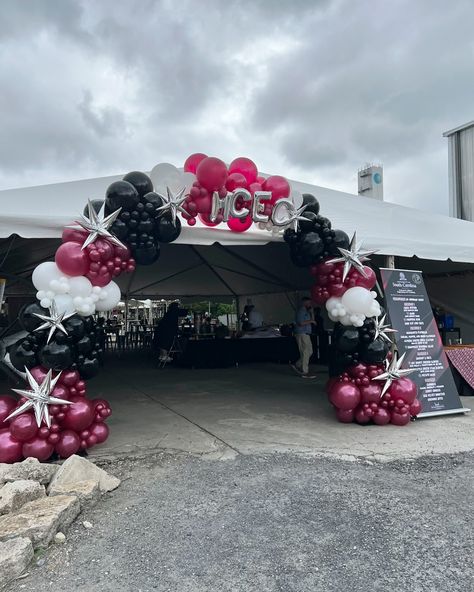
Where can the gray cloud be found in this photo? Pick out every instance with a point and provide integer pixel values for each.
(308, 89)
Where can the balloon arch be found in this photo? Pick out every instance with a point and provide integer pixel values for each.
(63, 348)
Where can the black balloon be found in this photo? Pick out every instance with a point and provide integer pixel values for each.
(88, 368)
(75, 327)
(23, 354)
(27, 317)
(290, 236)
(120, 230)
(307, 221)
(84, 345)
(147, 255)
(347, 339)
(121, 194)
(311, 202)
(311, 245)
(166, 231)
(57, 356)
(375, 352)
(3, 350)
(341, 239)
(140, 181)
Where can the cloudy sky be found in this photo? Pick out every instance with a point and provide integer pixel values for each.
(311, 89)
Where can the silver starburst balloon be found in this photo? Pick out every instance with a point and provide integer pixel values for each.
(97, 224)
(354, 257)
(54, 322)
(393, 371)
(173, 203)
(382, 330)
(39, 398)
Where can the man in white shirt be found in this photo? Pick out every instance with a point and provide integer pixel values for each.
(255, 319)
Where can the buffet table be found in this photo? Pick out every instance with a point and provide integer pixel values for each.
(461, 361)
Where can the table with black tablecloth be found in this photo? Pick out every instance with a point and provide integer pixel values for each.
(461, 361)
(221, 353)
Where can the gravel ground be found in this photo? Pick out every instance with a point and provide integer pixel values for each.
(275, 523)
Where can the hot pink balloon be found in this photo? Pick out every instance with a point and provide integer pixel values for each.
(345, 415)
(212, 173)
(240, 224)
(400, 419)
(74, 236)
(344, 395)
(7, 404)
(38, 448)
(415, 407)
(279, 187)
(236, 181)
(405, 389)
(381, 416)
(370, 393)
(246, 167)
(100, 431)
(23, 427)
(68, 444)
(191, 163)
(10, 448)
(80, 415)
(72, 260)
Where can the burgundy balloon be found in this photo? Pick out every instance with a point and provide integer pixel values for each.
(212, 173)
(79, 416)
(68, 444)
(71, 259)
(74, 236)
(193, 161)
(361, 417)
(236, 180)
(370, 393)
(344, 395)
(345, 415)
(100, 431)
(400, 419)
(39, 373)
(279, 187)
(38, 448)
(366, 282)
(23, 427)
(10, 448)
(415, 407)
(240, 224)
(245, 167)
(381, 416)
(69, 377)
(359, 368)
(7, 404)
(404, 388)
(333, 380)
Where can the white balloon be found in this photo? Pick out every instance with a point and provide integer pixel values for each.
(80, 286)
(96, 290)
(297, 198)
(188, 179)
(41, 294)
(358, 300)
(50, 294)
(112, 298)
(45, 302)
(166, 175)
(64, 303)
(44, 274)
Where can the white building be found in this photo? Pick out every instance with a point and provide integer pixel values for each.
(461, 171)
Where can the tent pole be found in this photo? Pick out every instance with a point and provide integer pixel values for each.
(390, 261)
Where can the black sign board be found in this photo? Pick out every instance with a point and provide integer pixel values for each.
(418, 337)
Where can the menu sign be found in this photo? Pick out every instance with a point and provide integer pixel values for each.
(418, 337)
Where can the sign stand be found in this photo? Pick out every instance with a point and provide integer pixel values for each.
(418, 337)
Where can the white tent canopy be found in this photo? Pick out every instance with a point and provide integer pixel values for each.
(42, 212)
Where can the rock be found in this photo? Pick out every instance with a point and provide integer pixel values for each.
(87, 524)
(40, 520)
(88, 492)
(15, 555)
(60, 538)
(15, 494)
(76, 468)
(30, 469)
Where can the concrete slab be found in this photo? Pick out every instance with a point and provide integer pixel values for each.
(253, 409)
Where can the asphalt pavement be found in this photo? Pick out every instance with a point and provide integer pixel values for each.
(282, 522)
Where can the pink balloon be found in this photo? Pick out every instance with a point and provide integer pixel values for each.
(211, 173)
(240, 224)
(191, 163)
(344, 395)
(246, 167)
(7, 404)
(80, 415)
(68, 444)
(72, 260)
(400, 419)
(100, 431)
(381, 416)
(23, 427)
(74, 236)
(345, 415)
(416, 407)
(38, 448)
(10, 449)
(235, 181)
(405, 389)
(370, 393)
(279, 187)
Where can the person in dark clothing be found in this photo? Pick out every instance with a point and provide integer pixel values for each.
(166, 331)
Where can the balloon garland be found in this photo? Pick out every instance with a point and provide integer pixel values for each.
(64, 344)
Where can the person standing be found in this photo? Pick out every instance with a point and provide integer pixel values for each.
(303, 328)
